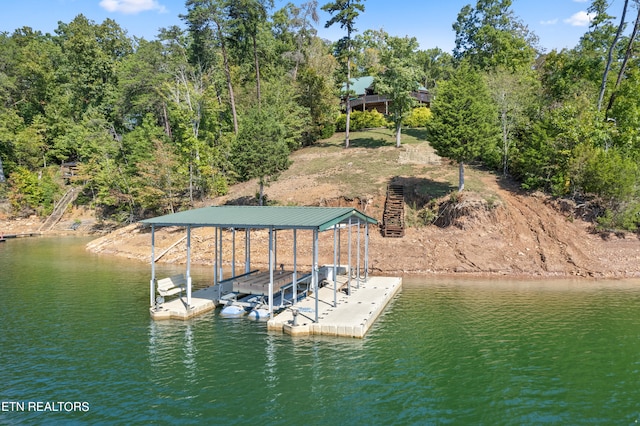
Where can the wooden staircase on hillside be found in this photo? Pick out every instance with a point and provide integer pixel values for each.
(393, 217)
(59, 209)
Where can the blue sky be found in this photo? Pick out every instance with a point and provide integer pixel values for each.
(558, 23)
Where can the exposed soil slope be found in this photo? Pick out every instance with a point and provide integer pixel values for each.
(493, 229)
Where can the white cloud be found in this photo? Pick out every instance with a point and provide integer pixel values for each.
(131, 7)
(580, 1)
(580, 19)
(549, 22)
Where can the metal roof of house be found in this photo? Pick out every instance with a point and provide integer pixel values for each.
(360, 85)
(320, 218)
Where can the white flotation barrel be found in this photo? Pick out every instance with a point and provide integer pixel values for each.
(232, 311)
(259, 314)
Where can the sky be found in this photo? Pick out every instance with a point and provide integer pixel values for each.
(558, 23)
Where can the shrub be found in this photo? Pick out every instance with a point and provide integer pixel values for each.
(31, 193)
(419, 117)
(361, 120)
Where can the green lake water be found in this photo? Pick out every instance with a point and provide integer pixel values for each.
(75, 328)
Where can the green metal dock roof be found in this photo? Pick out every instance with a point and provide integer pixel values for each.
(319, 218)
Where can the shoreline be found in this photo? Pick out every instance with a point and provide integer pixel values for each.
(133, 242)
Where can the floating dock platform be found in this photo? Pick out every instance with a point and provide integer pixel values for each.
(352, 317)
(202, 301)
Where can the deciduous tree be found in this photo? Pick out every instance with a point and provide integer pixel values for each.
(345, 12)
(399, 79)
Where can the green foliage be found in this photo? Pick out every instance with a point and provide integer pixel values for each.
(490, 36)
(606, 173)
(360, 120)
(153, 125)
(419, 117)
(399, 78)
(315, 85)
(464, 125)
(262, 148)
(436, 65)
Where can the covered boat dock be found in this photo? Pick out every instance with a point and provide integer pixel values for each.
(327, 288)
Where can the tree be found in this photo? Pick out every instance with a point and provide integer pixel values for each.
(463, 126)
(267, 136)
(247, 16)
(627, 56)
(206, 20)
(607, 67)
(345, 13)
(315, 86)
(489, 35)
(298, 22)
(513, 94)
(91, 55)
(436, 65)
(399, 79)
(261, 150)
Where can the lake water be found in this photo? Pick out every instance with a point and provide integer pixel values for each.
(77, 346)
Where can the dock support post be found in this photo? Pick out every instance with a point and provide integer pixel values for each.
(315, 269)
(271, 259)
(335, 265)
(220, 276)
(275, 248)
(366, 251)
(295, 267)
(349, 258)
(358, 257)
(233, 252)
(215, 257)
(247, 250)
(152, 283)
(188, 267)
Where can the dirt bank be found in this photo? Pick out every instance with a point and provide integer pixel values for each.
(514, 234)
(525, 236)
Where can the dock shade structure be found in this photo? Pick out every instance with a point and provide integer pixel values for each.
(273, 219)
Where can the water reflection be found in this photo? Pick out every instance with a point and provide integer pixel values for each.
(270, 368)
(76, 327)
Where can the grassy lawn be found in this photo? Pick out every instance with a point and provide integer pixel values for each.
(373, 161)
(376, 138)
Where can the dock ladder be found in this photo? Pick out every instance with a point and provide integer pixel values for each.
(393, 217)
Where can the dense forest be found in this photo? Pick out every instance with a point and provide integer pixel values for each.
(144, 127)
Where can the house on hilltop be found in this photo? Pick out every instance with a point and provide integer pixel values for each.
(364, 97)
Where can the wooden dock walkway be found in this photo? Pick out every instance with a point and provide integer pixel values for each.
(22, 235)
